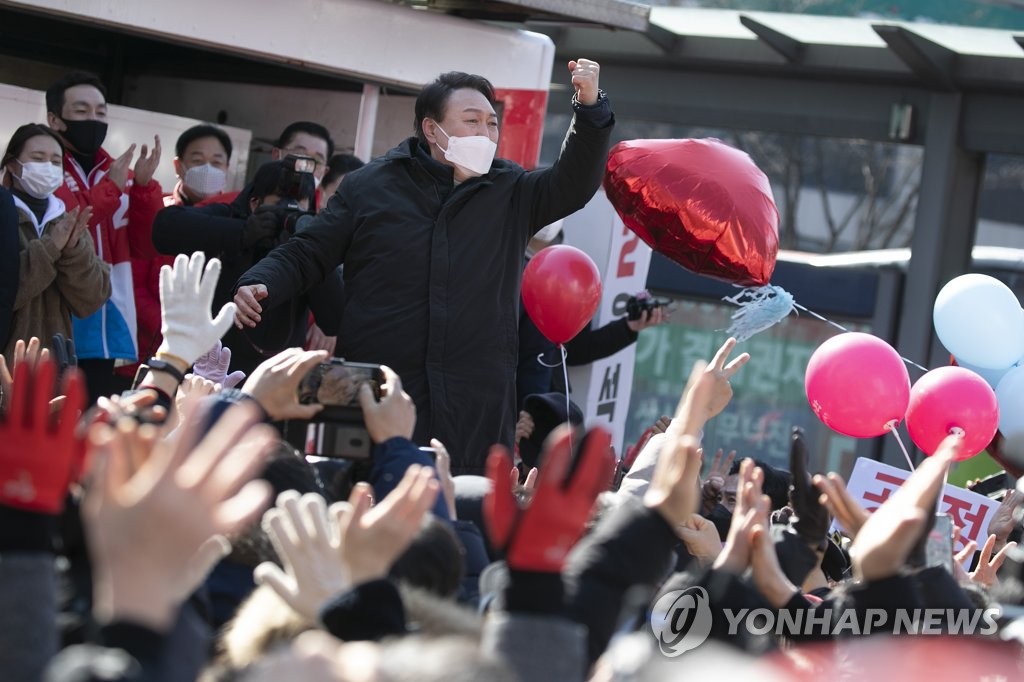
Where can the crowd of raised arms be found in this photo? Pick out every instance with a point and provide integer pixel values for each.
(156, 524)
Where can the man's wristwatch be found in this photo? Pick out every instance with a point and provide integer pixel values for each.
(158, 365)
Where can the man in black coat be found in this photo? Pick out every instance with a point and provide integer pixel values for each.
(432, 237)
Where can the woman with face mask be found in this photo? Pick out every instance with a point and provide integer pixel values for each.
(59, 272)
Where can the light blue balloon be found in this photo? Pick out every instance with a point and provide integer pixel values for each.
(979, 319)
(1010, 394)
(992, 376)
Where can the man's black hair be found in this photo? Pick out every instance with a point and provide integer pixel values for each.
(198, 132)
(55, 93)
(433, 98)
(339, 165)
(776, 482)
(308, 127)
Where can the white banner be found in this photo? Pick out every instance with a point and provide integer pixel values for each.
(602, 389)
(872, 482)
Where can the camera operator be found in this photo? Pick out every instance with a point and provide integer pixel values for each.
(533, 377)
(263, 216)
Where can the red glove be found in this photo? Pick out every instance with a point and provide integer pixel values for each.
(38, 458)
(540, 537)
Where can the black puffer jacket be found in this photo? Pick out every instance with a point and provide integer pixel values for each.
(432, 275)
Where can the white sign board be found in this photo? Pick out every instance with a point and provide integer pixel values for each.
(872, 482)
(602, 389)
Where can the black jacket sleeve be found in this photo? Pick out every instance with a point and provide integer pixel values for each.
(310, 255)
(325, 300)
(593, 344)
(567, 186)
(10, 262)
(213, 229)
(630, 547)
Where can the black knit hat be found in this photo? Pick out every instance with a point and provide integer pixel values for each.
(548, 412)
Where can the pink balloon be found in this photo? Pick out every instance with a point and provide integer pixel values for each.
(857, 385)
(951, 398)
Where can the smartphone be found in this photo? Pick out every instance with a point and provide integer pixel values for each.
(336, 383)
(338, 430)
(939, 548)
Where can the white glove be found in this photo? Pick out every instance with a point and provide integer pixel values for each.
(308, 542)
(213, 365)
(186, 294)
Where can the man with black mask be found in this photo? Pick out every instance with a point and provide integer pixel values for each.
(123, 206)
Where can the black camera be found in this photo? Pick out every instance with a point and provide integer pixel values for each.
(338, 431)
(294, 184)
(643, 302)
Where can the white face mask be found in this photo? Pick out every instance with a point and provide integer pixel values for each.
(473, 153)
(40, 179)
(205, 180)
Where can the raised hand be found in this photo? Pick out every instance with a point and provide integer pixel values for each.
(308, 542)
(585, 77)
(701, 539)
(524, 426)
(213, 365)
(540, 537)
(147, 164)
(31, 352)
(118, 172)
(190, 392)
(886, 539)
(846, 510)
(145, 526)
(39, 458)
(674, 491)
(735, 556)
(988, 565)
(711, 392)
(394, 416)
(372, 538)
(811, 520)
(769, 578)
(186, 296)
(1006, 517)
(443, 464)
(275, 383)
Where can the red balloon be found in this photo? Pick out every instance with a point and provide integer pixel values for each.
(561, 291)
(857, 385)
(951, 398)
(701, 203)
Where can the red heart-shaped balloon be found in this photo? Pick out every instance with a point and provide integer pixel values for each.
(701, 203)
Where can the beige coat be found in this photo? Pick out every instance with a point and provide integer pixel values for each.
(53, 284)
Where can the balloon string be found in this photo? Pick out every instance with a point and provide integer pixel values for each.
(842, 328)
(899, 440)
(565, 375)
(540, 358)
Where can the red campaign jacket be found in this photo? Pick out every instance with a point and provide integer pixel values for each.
(121, 228)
